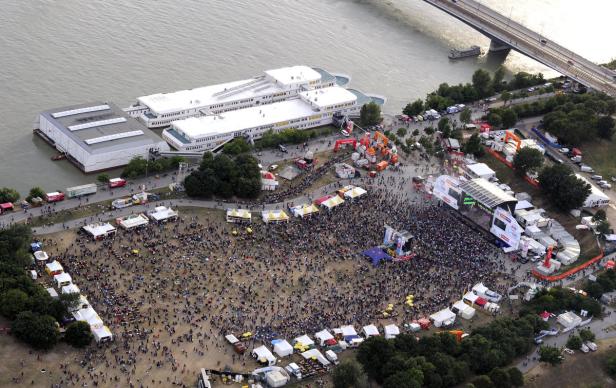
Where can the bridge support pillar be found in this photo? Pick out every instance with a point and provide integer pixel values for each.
(498, 45)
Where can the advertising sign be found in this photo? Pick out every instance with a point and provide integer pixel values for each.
(446, 188)
(506, 228)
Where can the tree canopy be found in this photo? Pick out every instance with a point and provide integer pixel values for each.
(527, 159)
(414, 108)
(465, 115)
(225, 176)
(138, 166)
(370, 114)
(564, 190)
(347, 374)
(78, 334)
(550, 355)
(38, 331)
(473, 146)
(8, 195)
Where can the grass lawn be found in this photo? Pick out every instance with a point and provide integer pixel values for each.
(588, 243)
(601, 155)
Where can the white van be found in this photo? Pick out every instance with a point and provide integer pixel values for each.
(596, 177)
(586, 168)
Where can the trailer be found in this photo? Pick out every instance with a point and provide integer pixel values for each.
(55, 196)
(116, 182)
(79, 191)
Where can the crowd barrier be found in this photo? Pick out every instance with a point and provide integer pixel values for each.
(570, 272)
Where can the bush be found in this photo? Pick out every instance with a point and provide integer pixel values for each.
(401, 132)
(550, 355)
(370, 114)
(611, 365)
(237, 146)
(347, 374)
(8, 195)
(587, 335)
(38, 331)
(35, 192)
(516, 378)
(574, 342)
(78, 334)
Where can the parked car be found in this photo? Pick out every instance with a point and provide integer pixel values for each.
(591, 345)
(563, 150)
(584, 348)
(282, 148)
(345, 133)
(596, 177)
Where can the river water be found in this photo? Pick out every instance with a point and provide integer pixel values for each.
(60, 52)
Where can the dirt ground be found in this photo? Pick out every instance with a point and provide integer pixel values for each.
(577, 370)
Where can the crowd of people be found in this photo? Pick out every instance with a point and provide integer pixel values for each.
(171, 292)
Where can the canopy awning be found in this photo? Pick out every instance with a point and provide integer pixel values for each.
(355, 192)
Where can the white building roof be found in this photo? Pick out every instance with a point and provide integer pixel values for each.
(253, 117)
(63, 277)
(480, 169)
(370, 330)
(133, 221)
(391, 331)
(322, 98)
(70, 289)
(99, 229)
(294, 75)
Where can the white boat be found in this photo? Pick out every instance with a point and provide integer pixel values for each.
(159, 110)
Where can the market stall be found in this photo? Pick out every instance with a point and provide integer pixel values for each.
(238, 216)
(302, 343)
(282, 347)
(370, 331)
(463, 310)
(443, 318)
(99, 230)
(163, 214)
(316, 355)
(323, 336)
(305, 210)
(54, 268)
(274, 216)
(263, 355)
(102, 334)
(332, 202)
(70, 289)
(355, 192)
(133, 221)
(391, 331)
(62, 279)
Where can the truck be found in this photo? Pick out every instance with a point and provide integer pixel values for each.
(79, 191)
(55, 196)
(116, 182)
(585, 168)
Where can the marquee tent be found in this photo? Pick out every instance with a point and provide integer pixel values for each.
(370, 331)
(303, 341)
(274, 216)
(238, 215)
(355, 192)
(162, 214)
(391, 331)
(463, 310)
(322, 199)
(99, 230)
(263, 355)
(62, 279)
(70, 289)
(282, 348)
(102, 334)
(53, 293)
(376, 255)
(89, 315)
(323, 336)
(315, 354)
(54, 268)
(442, 318)
(305, 210)
(133, 221)
(41, 256)
(332, 202)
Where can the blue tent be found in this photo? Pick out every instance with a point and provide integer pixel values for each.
(36, 246)
(375, 255)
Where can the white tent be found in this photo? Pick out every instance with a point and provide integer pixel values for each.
(332, 202)
(463, 310)
(99, 230)
(480, 289)
(162, 213)
(348, 331)
(315, 354)
(41, 256)
(231, 338)
(370, 331)
(323, 336)
(355, 192)
(53, 293)
(54, 268)
(391, 331)
(102, 334)
(569, 319)
(263, 355)
(62, 279)
(305, 210)
(282, 348)
(442, 318)
(133, 221)
(70, 289)
(82, 305)
(304, 341)
(274, 216)
(470, 297)
(89, 315)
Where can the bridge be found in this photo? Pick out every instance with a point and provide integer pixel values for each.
(508, 34)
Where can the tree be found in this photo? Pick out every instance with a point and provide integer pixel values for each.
(347, 374)
(497, 80)
(483, 381)
(506, 96)
(562, 187)
(370, 114)
(550, 355)
(373, 355)
(238, 146)
(509, 118)
(78, 334)
(605, 127)
(103, 178)
(36, 192)
(500, 378)
(413, 108)
(587, 335)
(611, 365)
(465, 115)
(574, 342)
(13, 302)
(599, 215)
(135, 168)
(409, 378)
(473, 146)
(8, 195)
(527, 159)
(401, 132)
(415, 132)
(38, 331)
(603, 227)
(494, 119)
(482, 83)
(516, 378)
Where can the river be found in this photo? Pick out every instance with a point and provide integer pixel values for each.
(57, 53)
